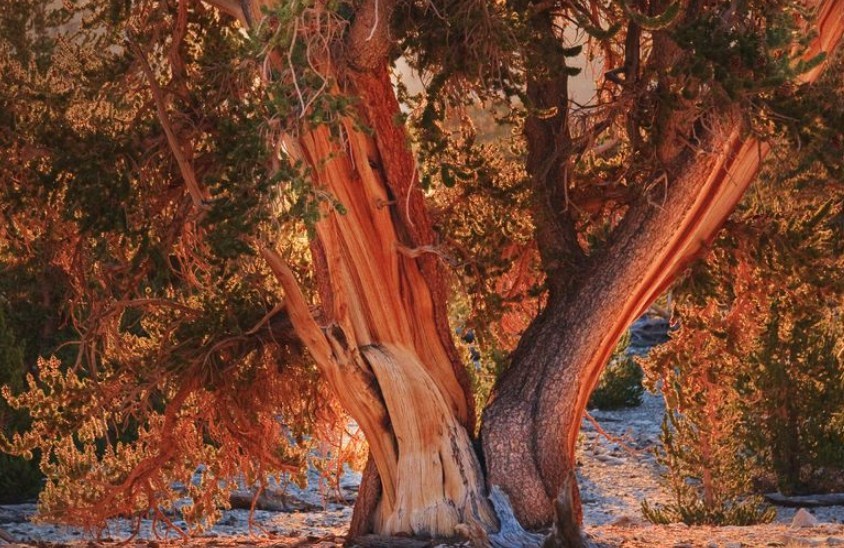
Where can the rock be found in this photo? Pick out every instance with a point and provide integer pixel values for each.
(624, 521)
(803, 518)
(835, 541)
(792, 540)
(609, 459)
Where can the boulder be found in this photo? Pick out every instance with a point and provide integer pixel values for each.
(803, 518)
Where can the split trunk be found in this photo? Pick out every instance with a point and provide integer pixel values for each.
(385, 347)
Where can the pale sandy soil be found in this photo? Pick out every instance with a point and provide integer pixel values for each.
(615, 475)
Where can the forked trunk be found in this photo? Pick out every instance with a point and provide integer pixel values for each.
(530, 428)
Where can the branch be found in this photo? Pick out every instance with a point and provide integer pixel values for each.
(297, 307)
(232, 8)
(198, 196)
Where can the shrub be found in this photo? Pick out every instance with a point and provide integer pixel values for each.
(620, 384)
(20, 479)
(693, 511)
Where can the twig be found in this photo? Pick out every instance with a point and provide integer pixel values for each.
(610, 437)
(375, 24)
(276, 309)
(197, 195)
(419, 251)
(292, 68)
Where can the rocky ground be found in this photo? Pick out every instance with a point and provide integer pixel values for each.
(617, 471)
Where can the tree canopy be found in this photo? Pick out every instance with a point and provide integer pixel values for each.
(240, 225)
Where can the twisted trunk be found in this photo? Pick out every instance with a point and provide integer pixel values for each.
(530, 428)
(386, 350)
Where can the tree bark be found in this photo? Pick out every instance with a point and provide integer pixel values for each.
(386, 349)
(530, 428)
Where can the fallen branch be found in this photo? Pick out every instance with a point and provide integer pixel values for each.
(806, 501)
(6, 537)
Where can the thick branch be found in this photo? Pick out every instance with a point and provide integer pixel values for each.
(550, 149)
(344, 370)
(197, 194)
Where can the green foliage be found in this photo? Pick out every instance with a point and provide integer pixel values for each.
(748, 51)
(753, 379)
(797, 390)
(702, 431)
(161, 302)
(11, 360)
(620, 384)
(693, 511)
(19, 477)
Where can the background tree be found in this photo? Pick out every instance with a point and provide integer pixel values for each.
(754, 373)
(194, 139)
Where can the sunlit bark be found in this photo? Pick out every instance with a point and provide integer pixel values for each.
(530, 428)
(385, 349)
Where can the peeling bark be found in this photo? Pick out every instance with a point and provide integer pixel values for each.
(386, 350)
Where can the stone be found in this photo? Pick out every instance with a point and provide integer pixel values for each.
(792, 540)
(803, 518)
(624, 521)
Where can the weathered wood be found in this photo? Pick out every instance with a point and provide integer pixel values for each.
(6, 537)
(566, 532)
(270, 501)
(383, 541)
(510, 533)
(806, 501)
(385, 350)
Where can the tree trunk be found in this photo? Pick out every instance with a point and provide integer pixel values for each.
(530, 428)
(386, 349)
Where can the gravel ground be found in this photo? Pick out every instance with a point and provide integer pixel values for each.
(616, 471)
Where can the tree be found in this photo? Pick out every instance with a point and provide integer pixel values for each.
(219, 127)
(753, 376)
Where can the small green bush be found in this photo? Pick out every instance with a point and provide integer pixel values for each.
(693, 511)
(620, 385)
(20, 480)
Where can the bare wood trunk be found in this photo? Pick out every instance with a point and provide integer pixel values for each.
(530, 428)
(386, 350)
